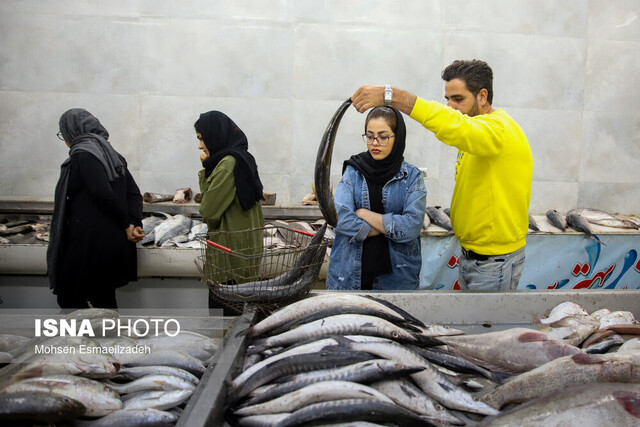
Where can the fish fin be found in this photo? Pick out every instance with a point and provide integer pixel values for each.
(532, 337)
(595, 238)
(426, 341)
(587, 359)
(408, 317)
(629, 400)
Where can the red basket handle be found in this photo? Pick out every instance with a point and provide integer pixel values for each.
(215, 245)
(308, 233)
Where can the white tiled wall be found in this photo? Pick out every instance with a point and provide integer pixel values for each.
(567, 71)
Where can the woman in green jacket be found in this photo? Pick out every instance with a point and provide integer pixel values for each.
(231, 201)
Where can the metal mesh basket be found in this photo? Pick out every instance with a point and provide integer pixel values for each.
(266, 267)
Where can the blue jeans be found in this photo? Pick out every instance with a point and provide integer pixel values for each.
(496, 273)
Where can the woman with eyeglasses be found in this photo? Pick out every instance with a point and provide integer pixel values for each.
(231, 201)
(380, 201)
(97, 218)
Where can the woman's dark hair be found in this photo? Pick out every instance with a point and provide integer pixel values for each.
(382, 112)
(476, 75)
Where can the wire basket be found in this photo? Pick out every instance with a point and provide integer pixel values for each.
(267, 267)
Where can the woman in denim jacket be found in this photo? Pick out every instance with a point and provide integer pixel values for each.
(380, 202)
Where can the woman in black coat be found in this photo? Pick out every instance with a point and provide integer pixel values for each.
(96, 218)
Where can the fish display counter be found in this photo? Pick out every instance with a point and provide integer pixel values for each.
(468, 313)
(556, 260)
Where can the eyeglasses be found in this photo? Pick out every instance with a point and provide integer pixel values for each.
(382, 140)
(60, 137)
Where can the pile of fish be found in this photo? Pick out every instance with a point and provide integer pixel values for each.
(338, 358)
(101, 381)
(27, 231)
(171, 231)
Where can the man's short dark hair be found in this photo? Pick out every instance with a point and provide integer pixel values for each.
(475, 74)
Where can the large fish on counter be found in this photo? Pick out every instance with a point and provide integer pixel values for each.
(322, 175)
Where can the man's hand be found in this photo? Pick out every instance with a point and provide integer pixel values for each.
(368, 96)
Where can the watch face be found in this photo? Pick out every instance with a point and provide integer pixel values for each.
(388, 94)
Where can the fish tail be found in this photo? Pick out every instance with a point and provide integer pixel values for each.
(595, 238)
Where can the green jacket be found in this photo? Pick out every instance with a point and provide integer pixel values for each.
(227, 222)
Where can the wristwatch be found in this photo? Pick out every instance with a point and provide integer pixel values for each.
(388, 95)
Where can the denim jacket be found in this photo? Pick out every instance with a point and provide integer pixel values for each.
(404, 198)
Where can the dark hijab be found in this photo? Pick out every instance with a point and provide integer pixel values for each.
(375, 250)
(223, 137)
(83, 132)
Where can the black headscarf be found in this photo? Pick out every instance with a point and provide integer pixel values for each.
(83, 132)
(375, 250)
(223, 137)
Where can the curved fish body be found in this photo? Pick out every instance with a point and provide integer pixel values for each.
(322, 175)
(136, 417)
(158, 382)
(353, 410)
(328, 358)
(341, 324)
(567, 372)
(630, 346)
(346, 303)
(315, 393)
(513, 350)
(172, 358)
(556, 219)
(362, 372)
(405, 394)
(160, 400)
(439, 218)
(172, 227)
(590, 405)
(133, 373)
(38, 406)
(429, 379)
(599, 217)
(98, 399)
(533, 225)
(604, 345)
(578, 223)
(563, 310)
(617, 318)
(85, 365)
(572, 330)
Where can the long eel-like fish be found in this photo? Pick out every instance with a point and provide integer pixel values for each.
(323, 167)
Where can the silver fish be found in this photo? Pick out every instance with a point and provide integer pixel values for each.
(599, 217)
(160, 400)
(605, 345)
(9, 342)
(159, 382)
(173, 358)
(631, 345)
(405, 394)
(98, 399)
(533, 225)
(353, 410)
(512, 350)
(318, 392)
(572, 329)
(133, 373)
(339, 301)
(430, 380)
(556, 219)
(322, 174)
(567, 372)
(439, 218)
(136, 417)
(617, 318)
(597, 404)
(578, 223)
(362, 372)
(563, 310)
(38, 406)
(341, 324)
(87, 365)
(174, 226)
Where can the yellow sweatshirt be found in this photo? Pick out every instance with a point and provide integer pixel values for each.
(490, 203)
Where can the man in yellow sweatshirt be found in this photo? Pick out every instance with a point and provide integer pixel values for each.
(490, 202)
